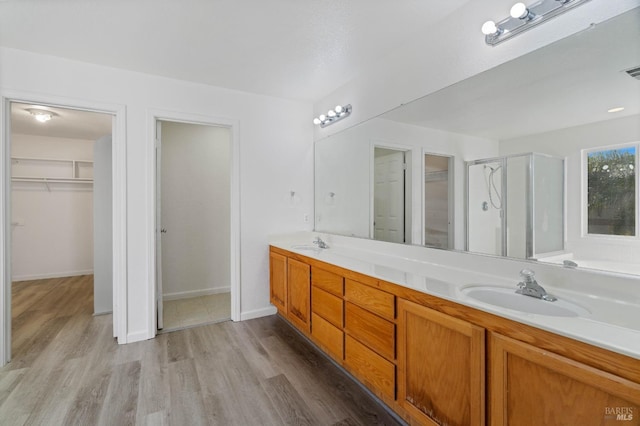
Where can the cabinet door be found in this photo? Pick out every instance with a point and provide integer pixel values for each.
(299, 294)
(278, 281)
(531, 386)
(440, 367)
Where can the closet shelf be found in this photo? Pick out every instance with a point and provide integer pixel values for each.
(50, 179)
(51, 170)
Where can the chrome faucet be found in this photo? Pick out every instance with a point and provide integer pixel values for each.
(530, 287)
(321, 244)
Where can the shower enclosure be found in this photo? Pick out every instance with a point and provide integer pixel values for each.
(515, 205)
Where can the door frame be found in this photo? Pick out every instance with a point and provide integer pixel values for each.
(119, 207)
(154, 116)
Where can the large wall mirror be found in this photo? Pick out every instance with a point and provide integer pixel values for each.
(533, 159)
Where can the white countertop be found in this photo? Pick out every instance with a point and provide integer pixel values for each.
(610, 323)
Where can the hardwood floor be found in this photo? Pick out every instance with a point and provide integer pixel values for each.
(68, 370)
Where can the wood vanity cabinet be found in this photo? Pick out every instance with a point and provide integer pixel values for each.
(299, 294)
(327, 311)
(434, 361)
(278, 281)
(441, 365)
(531, 386)
(370, 342)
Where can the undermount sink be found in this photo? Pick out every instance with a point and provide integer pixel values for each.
(309, 247)
(508, 298)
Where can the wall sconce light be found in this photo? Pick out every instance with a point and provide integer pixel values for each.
(41, 115)
(523, 18)
(333, 115)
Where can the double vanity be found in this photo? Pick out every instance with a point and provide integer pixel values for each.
(443, 338)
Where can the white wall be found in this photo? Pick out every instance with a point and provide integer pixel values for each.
(276, 156)
(568, 143)
(450, 51)
(346, 158)
(102, 227)
(52, 229)
(196, 192)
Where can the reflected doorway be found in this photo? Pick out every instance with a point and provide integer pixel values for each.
(438, 200)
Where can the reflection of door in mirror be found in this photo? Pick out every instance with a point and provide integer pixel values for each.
(438, 196)
(389, 200)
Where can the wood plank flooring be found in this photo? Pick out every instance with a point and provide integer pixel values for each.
(68, 370)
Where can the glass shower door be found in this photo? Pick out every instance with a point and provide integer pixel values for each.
(485, 209)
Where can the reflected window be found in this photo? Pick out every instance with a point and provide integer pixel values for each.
(612, 191)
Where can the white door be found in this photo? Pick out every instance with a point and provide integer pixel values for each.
(389, 193)
(159, 229)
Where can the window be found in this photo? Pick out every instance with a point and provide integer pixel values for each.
(612, 190)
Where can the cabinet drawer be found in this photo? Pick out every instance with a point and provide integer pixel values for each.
(375, 332)
(328, 281)
(372, 299)
(371, 368)
(327, 335)
(327, 306)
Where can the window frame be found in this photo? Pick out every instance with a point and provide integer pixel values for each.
(585, 189)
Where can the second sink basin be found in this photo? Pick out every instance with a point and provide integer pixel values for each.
(508, 298)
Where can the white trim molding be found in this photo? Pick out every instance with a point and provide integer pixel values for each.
(51, 275)
(195, 293)
(259, 313)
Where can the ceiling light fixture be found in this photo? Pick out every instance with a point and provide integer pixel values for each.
(41, 115)
(523, 17)
(616, 109)
(333, 115)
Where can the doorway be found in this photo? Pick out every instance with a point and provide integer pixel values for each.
(438, 201)
(60, 202)
(193, 224)
(391, 195)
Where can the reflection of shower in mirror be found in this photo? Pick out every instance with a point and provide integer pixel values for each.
(492, 189)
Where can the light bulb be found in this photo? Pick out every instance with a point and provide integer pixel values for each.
(519, 11)
(322, 117)
(42, 117)
(316, 120)
(331, 113)
(489, 28)
(338, 109)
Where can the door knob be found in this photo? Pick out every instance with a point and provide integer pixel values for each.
(163, 231)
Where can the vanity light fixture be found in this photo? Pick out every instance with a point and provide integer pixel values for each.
(523, 17)
(333, 115)
(41, 115)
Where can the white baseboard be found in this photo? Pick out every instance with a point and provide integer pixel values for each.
(195, 293)
(51, 275)
(137, 337)
(258, 313)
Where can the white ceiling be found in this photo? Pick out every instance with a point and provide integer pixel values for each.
(67, 123)
(568, 83)
(296, 49)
